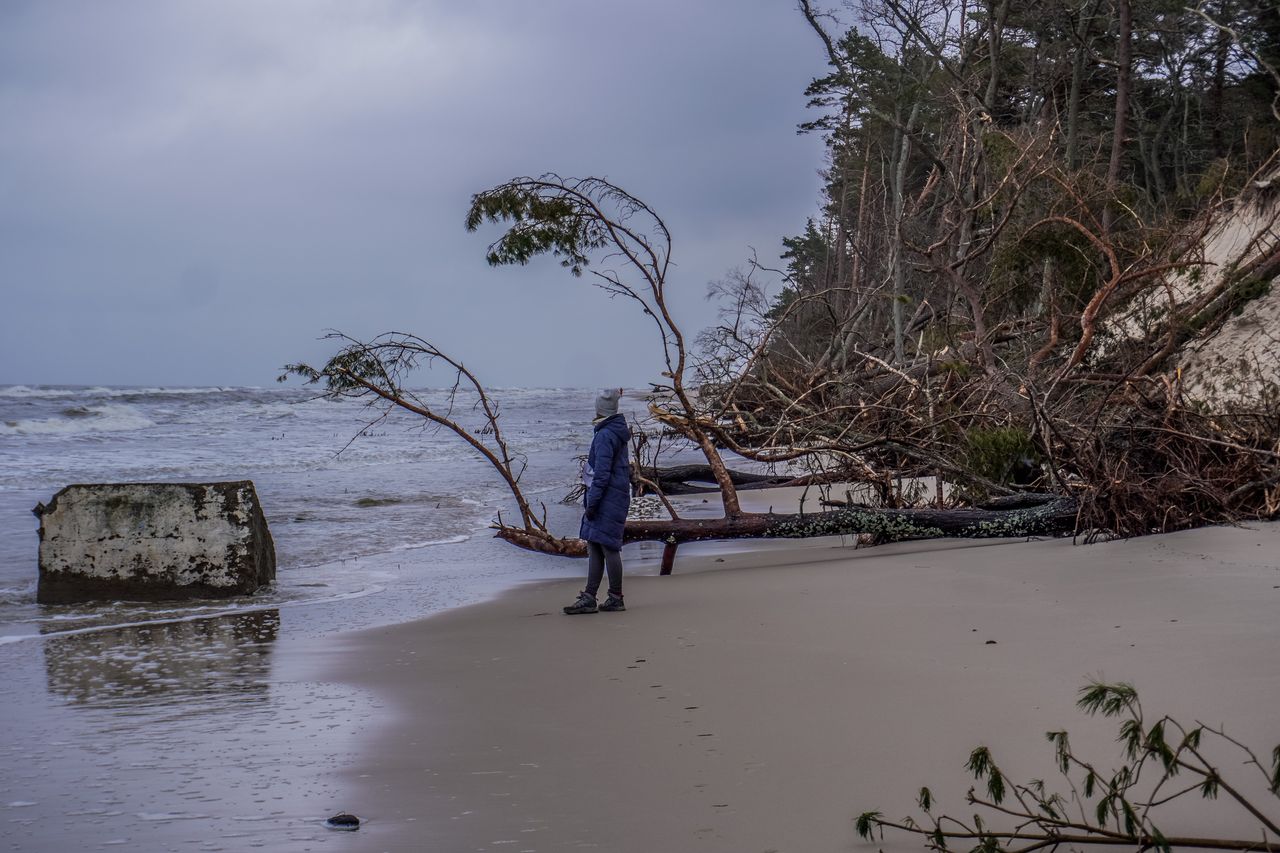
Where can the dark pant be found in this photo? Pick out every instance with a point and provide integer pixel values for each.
(598, 557)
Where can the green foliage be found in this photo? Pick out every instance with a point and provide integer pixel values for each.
(1061, 749)
(571, 219)
(1100, 810)
(989, 172)
(981, 766)
(959, 369)
(1213, 179)
(987, 844)
(853, 95)
(1131, 737)
(1109, 700)
(995, 452)
(1017, 265)
(350, 371)
(1000, 151)
(782, 302)
(558, 224)
(809, 259)
(1209, 787)
(1251, 288)
(866, 824)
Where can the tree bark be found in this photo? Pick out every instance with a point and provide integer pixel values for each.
(1124, 61)
(1051, 515)
(897, 259)
(1221, 48)
(1084, 36)
(678, 479)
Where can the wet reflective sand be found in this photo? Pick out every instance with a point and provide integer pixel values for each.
(200, 735)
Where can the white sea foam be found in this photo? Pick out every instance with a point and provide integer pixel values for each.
(286, 442)
(413, 546)
(27, 391)
(79, 420)
(100, 391)
(160, 816)
(193, 617)
(18, 594)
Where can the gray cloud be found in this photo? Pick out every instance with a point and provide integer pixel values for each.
(191, 192)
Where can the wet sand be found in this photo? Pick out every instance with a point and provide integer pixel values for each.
(218, 734)
(758, 702)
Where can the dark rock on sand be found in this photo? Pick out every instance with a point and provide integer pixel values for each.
(343, 821)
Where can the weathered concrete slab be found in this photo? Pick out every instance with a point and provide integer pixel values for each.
(152, 541)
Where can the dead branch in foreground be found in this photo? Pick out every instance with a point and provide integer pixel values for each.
(1116, 808)
(374, 372)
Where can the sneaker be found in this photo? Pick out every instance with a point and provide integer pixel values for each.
(612, 603)
(584, 604)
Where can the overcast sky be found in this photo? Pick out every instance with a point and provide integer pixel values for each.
(191, 192)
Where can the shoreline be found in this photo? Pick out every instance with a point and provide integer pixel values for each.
(752, 704)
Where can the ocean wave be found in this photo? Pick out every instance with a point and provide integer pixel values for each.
(78, 420)
(25, 594)
(227, 610)
(413, 546)
(103, 391)
(45, 391)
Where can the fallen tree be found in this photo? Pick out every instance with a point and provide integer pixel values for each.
(1129, 456)
(577, 220)
(1049, 515)
(375, 372)
(697, 479)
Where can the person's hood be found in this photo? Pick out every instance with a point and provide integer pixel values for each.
(616, 423)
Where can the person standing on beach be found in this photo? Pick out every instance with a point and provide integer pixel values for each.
(607, 476)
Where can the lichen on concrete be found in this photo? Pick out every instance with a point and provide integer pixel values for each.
(153, 541)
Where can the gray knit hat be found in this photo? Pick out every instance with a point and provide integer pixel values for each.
(607, 402)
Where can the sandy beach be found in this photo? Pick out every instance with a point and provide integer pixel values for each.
(759, 702)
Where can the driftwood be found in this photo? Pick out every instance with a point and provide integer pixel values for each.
(700, 479)
(1034, 515)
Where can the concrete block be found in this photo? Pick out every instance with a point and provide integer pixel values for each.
(153, 541)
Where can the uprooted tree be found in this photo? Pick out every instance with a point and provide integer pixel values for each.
(1044, 262)
(597, 229)
(1103, 437)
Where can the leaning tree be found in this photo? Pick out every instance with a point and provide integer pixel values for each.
(598, 230)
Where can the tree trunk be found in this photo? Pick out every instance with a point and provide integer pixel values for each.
(1221, 48)
(995, 36)
(1051, 515)
(1078, 64)
(897, 258)
(678, 479)
(1073, 109)
(1124, 61)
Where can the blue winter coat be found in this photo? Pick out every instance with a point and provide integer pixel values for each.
(609, 495)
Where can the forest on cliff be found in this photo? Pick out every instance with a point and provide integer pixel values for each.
(1038, 293)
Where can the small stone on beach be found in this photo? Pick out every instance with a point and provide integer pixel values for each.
(343, 821)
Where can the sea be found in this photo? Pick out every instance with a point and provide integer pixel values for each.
(208, 725)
